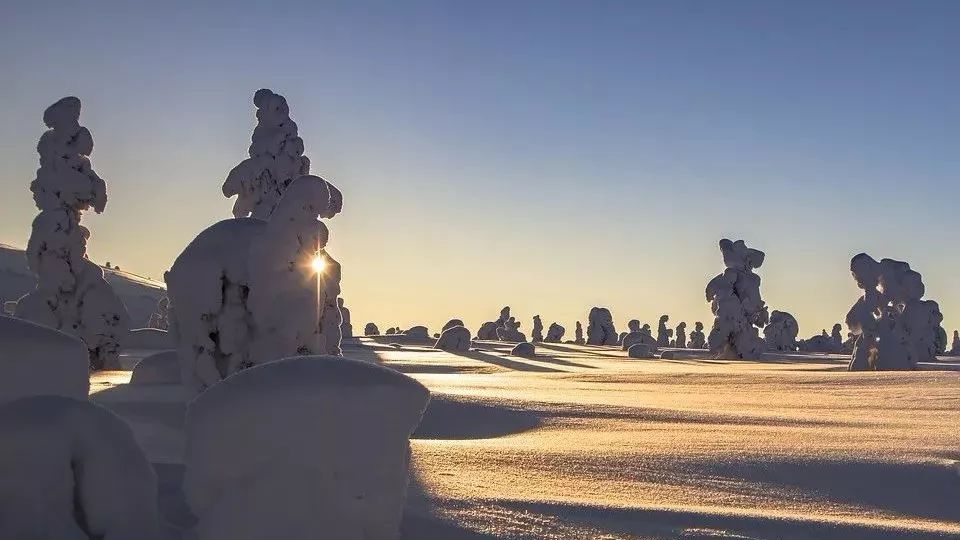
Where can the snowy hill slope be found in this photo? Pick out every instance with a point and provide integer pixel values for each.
(139, 294)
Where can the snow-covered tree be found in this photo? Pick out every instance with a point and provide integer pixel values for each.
(71, 293)
(735, 300)
(895, 327)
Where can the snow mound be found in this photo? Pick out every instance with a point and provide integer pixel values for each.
(302, 448)
(450, 324)
(148, 338)
(418, 332)
(640, 350)
(524, 349)
(159, 368)
(37, 360)
(72, 470)
(454, 339)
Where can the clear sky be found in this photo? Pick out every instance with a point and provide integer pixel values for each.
(548, 155)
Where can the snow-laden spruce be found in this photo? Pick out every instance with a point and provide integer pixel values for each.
(642, 335)
(246, 290)
(781, 332)
(578, 334)
(511, 331)
(600, 329)
(71, 293)
(302, 448)
(555, 333)
(488, 330)
(735, 301)
(72, 470)
(681, 340)
(664, 334)
(698, 340)
(38, 360)
(896, 328)
(346, 327)
(536, 335)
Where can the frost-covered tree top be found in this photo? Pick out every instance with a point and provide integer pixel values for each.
(65, 179)
(276, 159)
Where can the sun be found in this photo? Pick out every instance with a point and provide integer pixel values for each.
(318, 264)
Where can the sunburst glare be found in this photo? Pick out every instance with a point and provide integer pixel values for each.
(318, 264)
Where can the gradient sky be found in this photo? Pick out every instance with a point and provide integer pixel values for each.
(548, 155)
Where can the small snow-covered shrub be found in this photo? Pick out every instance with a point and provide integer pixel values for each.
(302, 448)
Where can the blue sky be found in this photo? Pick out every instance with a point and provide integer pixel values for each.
(549, 155)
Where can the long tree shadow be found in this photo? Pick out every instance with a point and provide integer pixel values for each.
(450, 418)
(550, 359)
(506, 362)
(606, 353)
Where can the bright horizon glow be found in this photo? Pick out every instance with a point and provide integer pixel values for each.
(549, 156)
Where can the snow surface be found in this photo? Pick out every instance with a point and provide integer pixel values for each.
(159, 368)
(148, 338)
(300, 446)
(582, 442)
(72, 470)
(37, 360)
(454, 339)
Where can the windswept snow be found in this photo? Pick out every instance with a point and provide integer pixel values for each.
(583, 442)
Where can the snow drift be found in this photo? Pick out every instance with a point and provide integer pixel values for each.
(37, 360)
(301, 448)
(72, 470)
